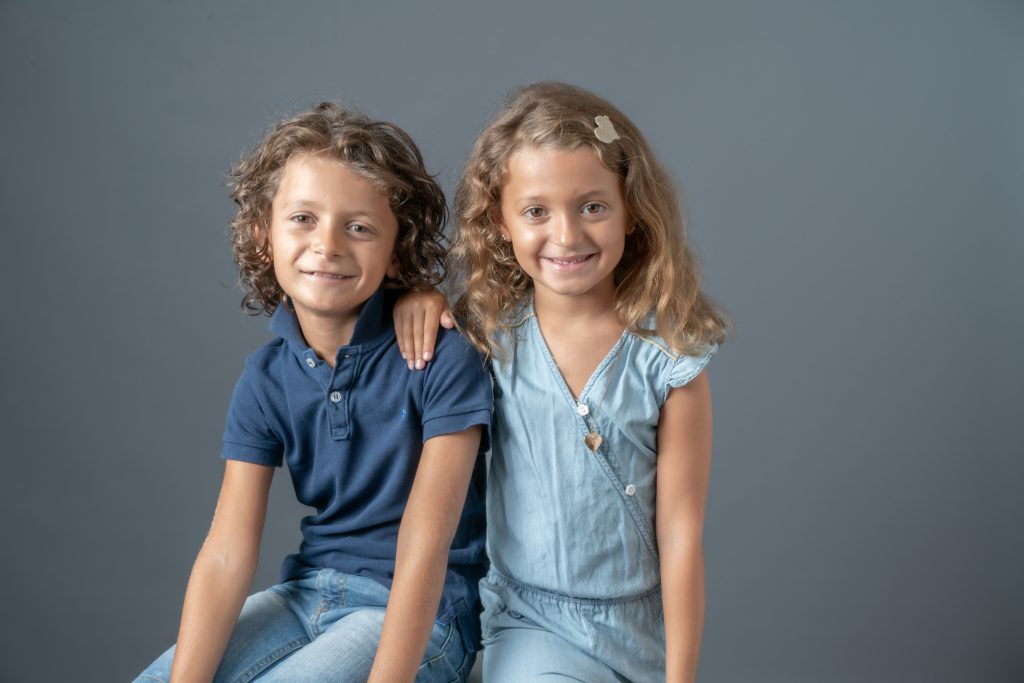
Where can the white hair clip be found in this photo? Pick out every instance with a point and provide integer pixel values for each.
(605, 131)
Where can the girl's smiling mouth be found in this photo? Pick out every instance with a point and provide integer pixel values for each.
(568, 262)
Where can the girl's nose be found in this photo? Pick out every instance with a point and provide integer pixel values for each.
(566, 233)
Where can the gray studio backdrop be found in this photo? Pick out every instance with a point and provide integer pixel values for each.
(854, 176)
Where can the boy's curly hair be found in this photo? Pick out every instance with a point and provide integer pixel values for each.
(379, 151)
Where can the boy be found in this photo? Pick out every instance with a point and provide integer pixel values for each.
(331, 206)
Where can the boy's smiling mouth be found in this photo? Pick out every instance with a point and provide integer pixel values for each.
(326, 275)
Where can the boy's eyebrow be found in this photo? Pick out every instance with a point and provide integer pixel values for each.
(313, 204)
(301, 204)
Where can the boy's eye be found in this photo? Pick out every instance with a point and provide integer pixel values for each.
(593, 208)
(302, 218)
(534, 212)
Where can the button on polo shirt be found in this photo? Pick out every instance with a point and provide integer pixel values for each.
(352, 437)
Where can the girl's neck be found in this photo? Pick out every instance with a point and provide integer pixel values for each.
(579, 332)
(592, 308)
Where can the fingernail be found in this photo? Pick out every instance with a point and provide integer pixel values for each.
(420, 365)
(426, 355)
(409, 363)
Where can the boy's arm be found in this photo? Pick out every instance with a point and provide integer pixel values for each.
(417, 315)
(684, 464)
(428, 526)
(223, 572)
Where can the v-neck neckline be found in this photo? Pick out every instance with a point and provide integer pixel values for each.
(594, 375)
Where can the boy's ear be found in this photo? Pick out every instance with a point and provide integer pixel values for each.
(392, 271)
(264, 237)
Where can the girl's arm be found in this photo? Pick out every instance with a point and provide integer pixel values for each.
(417, 315)
(428, 526)
(223, 572)
(684, 464)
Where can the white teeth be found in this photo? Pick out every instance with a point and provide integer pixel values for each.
(569, 261)
(332, 276)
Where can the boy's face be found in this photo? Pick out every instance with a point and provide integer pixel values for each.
(332, 239)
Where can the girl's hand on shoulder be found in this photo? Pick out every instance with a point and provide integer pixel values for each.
(417, 315)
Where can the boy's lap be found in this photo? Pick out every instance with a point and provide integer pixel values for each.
(345, 652)
(270, 643)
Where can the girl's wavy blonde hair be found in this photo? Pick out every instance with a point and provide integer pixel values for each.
(658, 272)
(379, 151)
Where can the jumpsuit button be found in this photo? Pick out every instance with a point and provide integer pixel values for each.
(335, 396)
(630, 489)
(583, 409)
(310, 362)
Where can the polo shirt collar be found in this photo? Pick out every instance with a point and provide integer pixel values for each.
(373, 325)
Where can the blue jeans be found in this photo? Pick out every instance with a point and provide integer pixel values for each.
(322, 626)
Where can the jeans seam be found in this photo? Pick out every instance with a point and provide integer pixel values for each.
(462, 674)
(314, 618)
(442, 648)
(270, 658)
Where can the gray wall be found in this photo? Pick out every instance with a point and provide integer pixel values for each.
(854, 174)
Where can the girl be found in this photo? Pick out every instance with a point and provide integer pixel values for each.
(580, 286)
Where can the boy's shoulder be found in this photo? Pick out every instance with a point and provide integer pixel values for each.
(262, 366)
(453, 348)
(267, 353)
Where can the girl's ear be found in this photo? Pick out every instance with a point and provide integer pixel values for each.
(633, 222)
(497, 220)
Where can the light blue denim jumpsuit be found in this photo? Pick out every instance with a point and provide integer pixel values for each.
(574, 588)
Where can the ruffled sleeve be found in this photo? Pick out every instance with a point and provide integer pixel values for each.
(685, 368)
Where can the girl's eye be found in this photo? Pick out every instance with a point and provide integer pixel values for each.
(593, 208)
(359, 229)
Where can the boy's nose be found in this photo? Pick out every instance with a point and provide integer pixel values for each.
(327, 242)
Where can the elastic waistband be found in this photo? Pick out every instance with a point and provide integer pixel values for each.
(494, 576)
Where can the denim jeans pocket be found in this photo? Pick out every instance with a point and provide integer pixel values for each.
(445, 658)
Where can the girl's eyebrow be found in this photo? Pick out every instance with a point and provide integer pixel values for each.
(588, 194)
(594, 193)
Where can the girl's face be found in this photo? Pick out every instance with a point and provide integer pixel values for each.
(566, 217)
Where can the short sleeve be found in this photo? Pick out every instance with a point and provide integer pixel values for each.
(685, 368)
(457, 390)
(247, 435)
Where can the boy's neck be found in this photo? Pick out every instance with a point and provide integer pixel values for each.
(326, 334)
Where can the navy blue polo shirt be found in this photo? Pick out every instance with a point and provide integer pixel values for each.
(352, 437)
